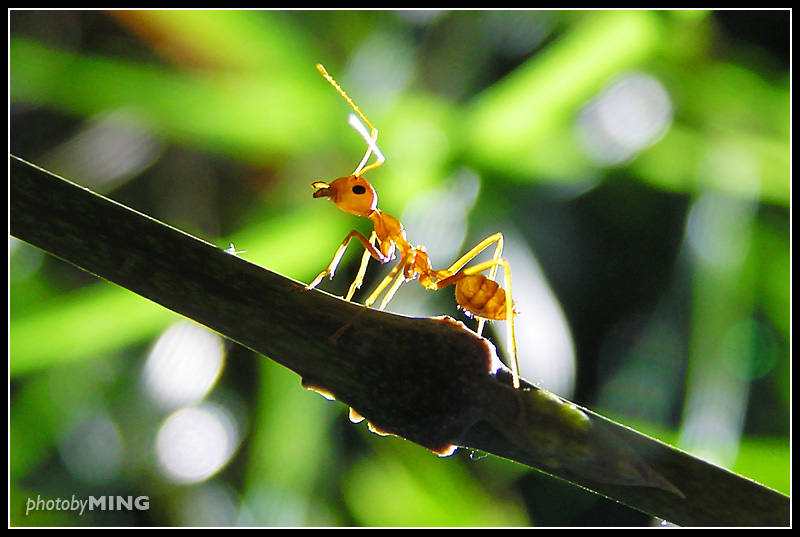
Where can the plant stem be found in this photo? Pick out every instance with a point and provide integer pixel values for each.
(429, 380)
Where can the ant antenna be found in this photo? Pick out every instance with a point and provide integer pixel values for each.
(370, 138)
(373, 147)
(347, 98)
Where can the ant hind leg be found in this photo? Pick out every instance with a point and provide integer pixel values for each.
(507, 315)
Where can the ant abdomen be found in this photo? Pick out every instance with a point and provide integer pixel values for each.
(481, 297)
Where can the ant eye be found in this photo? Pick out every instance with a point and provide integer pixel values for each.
(359, 189)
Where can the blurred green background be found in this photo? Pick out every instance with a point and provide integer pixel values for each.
(637, 162)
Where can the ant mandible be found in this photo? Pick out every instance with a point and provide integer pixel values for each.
(480, 296)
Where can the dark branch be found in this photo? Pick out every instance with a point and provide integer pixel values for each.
(428, 380)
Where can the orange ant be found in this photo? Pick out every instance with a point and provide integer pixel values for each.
(478, 295)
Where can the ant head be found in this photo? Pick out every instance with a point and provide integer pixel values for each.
(352, 194)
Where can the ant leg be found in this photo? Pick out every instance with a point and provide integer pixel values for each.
(362, 269)
(474, 252)
(400, 280)
(386, 281)
(477, 249)
(510, 335)
(374, 252)
(509, 305)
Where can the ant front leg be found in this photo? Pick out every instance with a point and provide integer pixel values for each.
(370, 251)
(362, 268)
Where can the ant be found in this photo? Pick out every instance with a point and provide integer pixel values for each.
(478, 295)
